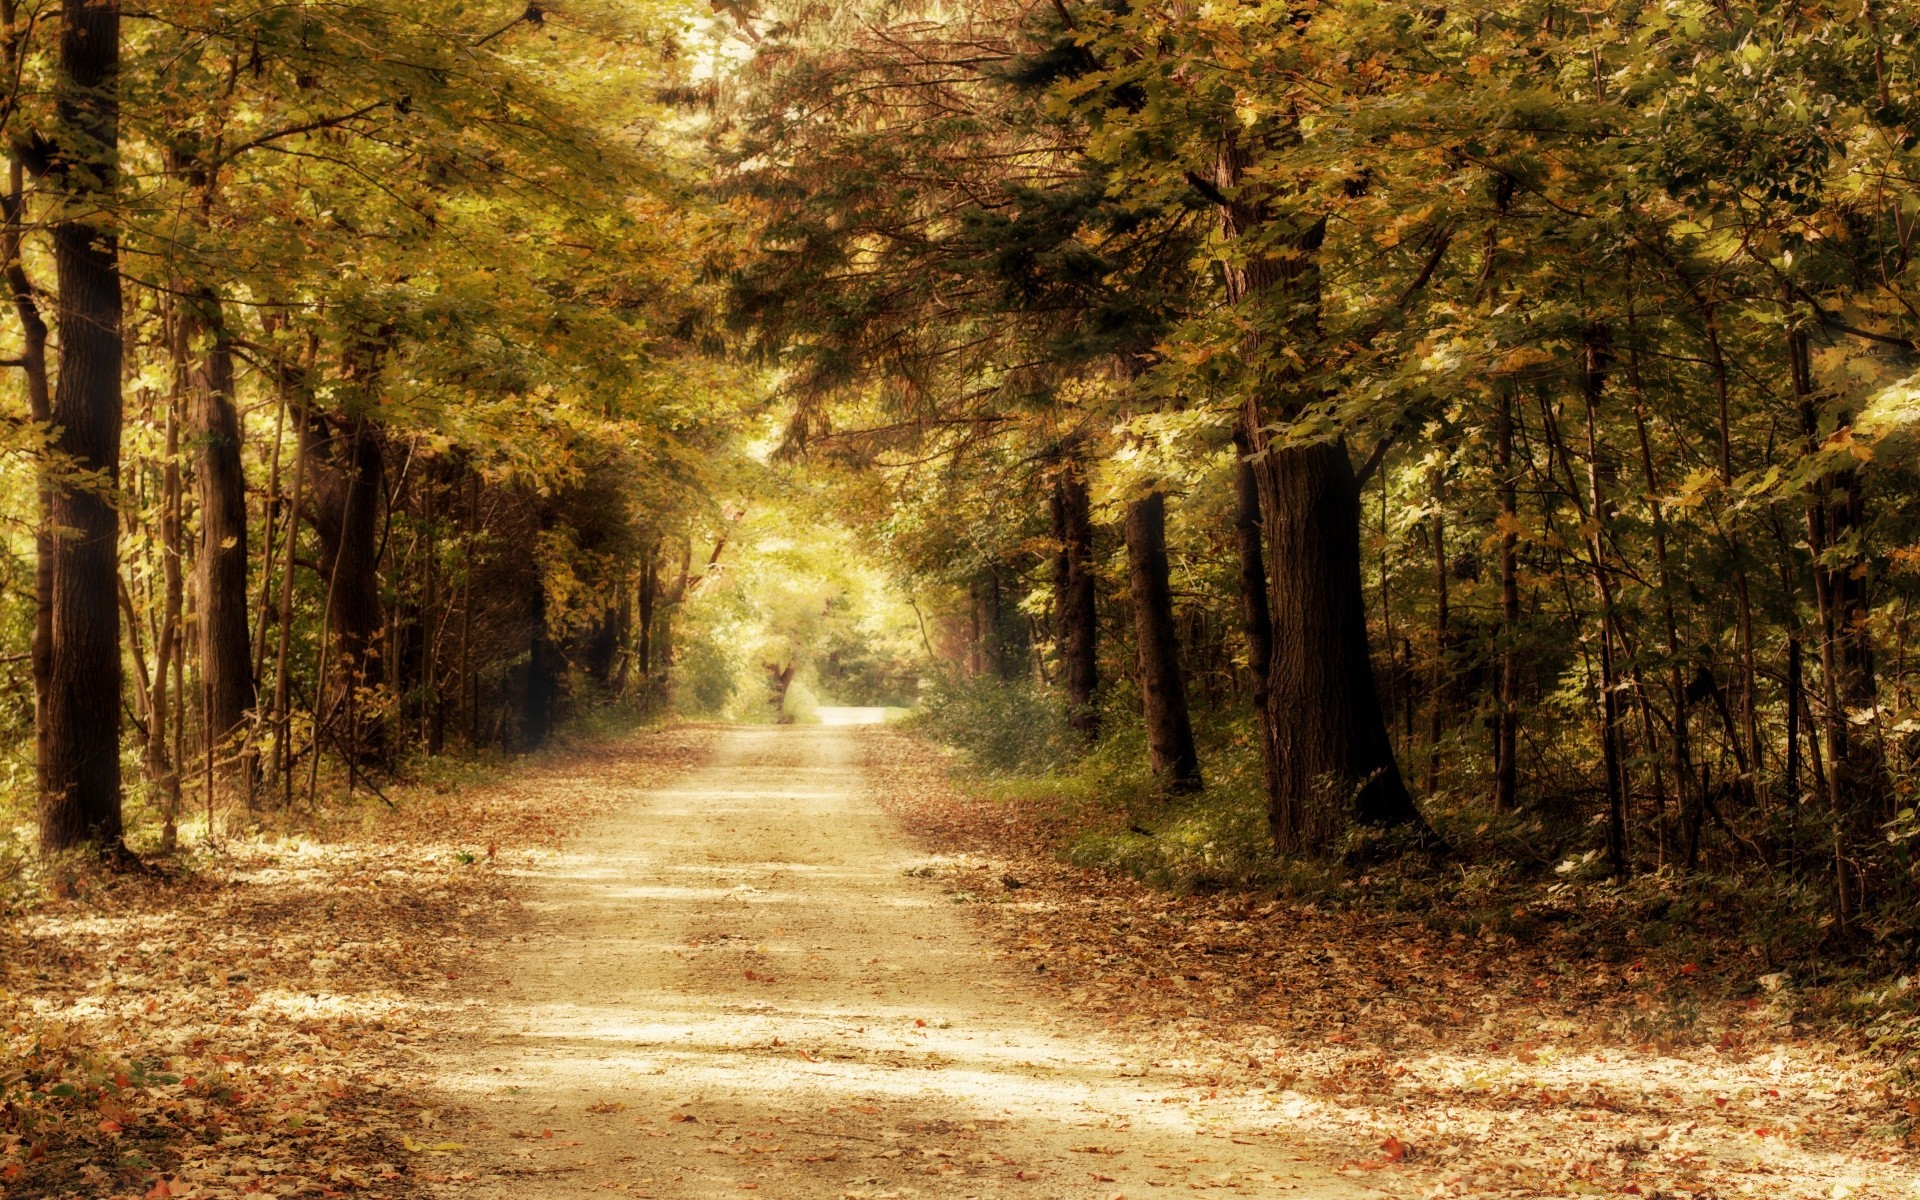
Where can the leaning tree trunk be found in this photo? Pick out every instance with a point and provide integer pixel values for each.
(80, 800)
(226, 655)
(1163, 687)
(1073, 595)
(1334, 760)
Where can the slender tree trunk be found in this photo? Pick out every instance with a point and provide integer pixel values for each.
(283, 633)
(1440, 684)
(1680, 749)
(162, 768)
(469, 684)
(1506, 761)
(347, 482)
(1073, 593)
(1255, 615)
(1795, 692)
(220, 575)
(649, 589)
(434, 714)
(80, 800)
(542, 672)
(33, 366)
(1163, 687)
(1748, 749)
(623, 624)
(1612, 761)
(1855, 770)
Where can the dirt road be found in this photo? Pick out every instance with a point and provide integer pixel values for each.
(738, 984)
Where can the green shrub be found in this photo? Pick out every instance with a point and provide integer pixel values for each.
(1006, 727)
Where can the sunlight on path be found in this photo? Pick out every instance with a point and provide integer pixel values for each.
(738, 985)
(851, 716)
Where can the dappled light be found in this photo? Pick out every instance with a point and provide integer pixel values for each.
(893, 599)
(750, 964)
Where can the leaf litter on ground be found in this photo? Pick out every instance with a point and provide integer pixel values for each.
(1425, 1063)
(256, 1021)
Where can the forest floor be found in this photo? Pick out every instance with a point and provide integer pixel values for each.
(802, 962)
(1425, 1063)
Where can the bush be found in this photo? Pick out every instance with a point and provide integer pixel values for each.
(1006, 727)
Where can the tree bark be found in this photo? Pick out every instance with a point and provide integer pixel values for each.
(1331, 741)
(346, 479)
(80, 798)
(1163, 686)
(1440, 681)
(1073, 594)
(1255, 615)
(1335, 760)
(33, 366)
(542, 672)
(1595, 365)
(226, 653)
(649, 589)
(1506, 762)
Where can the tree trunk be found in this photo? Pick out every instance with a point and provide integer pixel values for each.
(33, 366)
(649, 589)
(542, 672)
(226, 653)
(1255, 615)
(291, 380)
(1440, 682)
(603, 645)
(1335, 759)
(1163, 686)
(80, 799)
(1506, 763)
(1073, 595)
(347, 482)
(1595, 364)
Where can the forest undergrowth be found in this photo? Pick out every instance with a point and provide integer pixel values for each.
(1476, 1024)
(247, 1018)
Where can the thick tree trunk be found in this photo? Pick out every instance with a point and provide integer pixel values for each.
(1336, 763)
(220, 567)
(80, 798)
(1163, 685)
(1335, 760)
(1073, 595)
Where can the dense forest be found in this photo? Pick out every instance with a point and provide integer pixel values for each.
(1508, 405)
(1501, 407)
(1355, 451)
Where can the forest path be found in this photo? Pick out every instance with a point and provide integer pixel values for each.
(735, 984)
